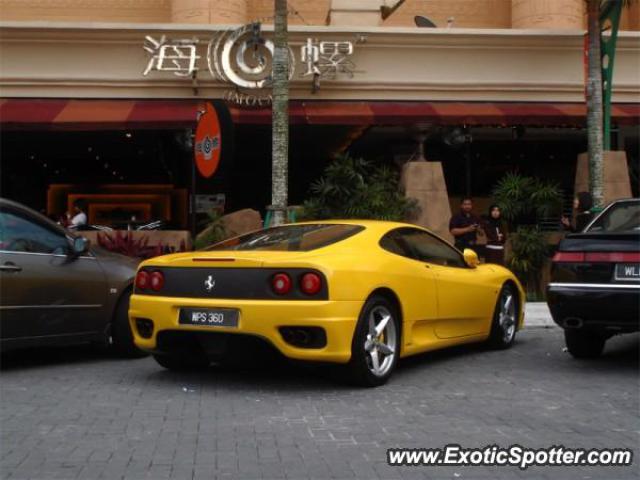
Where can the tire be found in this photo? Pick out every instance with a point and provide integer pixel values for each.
(505, 319)
(584, 343)
(368, 349)
(121, 334)
(182, 361)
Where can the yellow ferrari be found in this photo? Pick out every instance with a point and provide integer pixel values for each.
(359, 293)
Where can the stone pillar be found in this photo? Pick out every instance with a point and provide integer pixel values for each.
(209, 11)
(560, 14)
(616, 175)
(358, 13)
(631, 17)
(424, 181)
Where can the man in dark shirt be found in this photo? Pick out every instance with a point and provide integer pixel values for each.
(464, 226)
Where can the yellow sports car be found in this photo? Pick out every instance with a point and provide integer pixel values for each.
(359, 293)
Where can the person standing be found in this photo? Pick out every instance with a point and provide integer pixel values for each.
(464, 226)
(496, 234)
(582, 205)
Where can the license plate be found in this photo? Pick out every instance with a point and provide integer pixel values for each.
(628, 271)
(207, 317)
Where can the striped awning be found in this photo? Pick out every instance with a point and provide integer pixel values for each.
(95, 114)
(36, 114)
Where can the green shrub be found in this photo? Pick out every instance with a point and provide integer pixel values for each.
(523, 200)
(529, 251)
(356, 188)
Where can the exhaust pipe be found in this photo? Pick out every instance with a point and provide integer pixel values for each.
(572, 322)
(301, 337)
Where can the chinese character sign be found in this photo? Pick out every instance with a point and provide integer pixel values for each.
(177, 56)
(243, 58)
(310, 54)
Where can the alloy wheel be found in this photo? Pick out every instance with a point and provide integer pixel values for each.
(381, 341)
(507, 316)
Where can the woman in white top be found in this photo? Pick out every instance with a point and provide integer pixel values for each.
(79, 218)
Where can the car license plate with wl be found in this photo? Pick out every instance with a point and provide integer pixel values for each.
(628, 271)
(207, 317)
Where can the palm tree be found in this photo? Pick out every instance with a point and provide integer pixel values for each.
(595, 134)
(594, 104)
(280, 115)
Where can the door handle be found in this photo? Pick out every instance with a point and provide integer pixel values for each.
(10, 267)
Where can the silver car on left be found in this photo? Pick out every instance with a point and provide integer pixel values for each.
(56, 289)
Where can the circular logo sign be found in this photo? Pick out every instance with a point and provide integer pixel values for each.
(208, 142)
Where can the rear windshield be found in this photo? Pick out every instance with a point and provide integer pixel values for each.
(292, 238)
(621, 217)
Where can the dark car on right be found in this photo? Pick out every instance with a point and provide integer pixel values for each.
(594, 291)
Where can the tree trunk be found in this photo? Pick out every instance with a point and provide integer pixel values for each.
(280, 115)
(594, 105)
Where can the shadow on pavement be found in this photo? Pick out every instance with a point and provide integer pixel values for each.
(622, 354)
(269, 374)
(424, 360)
(54, 356)
(284, 375)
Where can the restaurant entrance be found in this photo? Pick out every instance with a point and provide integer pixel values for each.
(131, 177)
(132, 159)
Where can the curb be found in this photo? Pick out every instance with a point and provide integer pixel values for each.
(537, 315)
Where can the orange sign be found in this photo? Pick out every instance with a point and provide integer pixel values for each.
(208, 142)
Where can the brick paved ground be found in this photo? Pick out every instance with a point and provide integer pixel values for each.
(77, 413)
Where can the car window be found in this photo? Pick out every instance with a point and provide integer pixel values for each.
(392, 242)
(290, 238)
(619, 218)
(21, 234)
(421, 246)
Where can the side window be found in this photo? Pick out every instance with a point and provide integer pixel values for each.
(422, 246)
(392, 242)
(20, 234)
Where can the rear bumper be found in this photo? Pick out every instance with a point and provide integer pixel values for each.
(611, 307)
(259, 318)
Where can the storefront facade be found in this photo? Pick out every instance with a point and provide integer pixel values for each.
(506, 83)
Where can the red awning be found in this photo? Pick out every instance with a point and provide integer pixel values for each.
(95, 114)
(164, 114)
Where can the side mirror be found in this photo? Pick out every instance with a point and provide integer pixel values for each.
(470, 258)
(80, 245)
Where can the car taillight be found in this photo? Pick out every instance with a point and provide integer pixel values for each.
(311, 283)
(597, 257)
(613, 257)
(281, 283)
(142, 280)
(573, 257)
(157, 281)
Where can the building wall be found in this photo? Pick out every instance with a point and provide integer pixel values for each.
(557, 14)
(208, 11)
(560, 14)
(312, 12)
(421, 64)
(631, 17)
(136, 11)
(465, 13)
